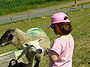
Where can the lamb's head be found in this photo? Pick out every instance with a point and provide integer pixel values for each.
(33, 46)
(6, 37)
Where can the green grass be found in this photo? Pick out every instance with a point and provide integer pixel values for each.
(81, 33)
(15, 6)
(84, 3)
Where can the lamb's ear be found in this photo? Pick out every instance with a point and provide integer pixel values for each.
(40, 39)
(26, 44)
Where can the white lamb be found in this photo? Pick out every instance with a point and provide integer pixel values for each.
(32, 49)
(24, 40)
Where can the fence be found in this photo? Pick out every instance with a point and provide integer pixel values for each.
(7, 57)
(38, 13)
(28, 16)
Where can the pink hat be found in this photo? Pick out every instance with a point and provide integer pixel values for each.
(58, 18)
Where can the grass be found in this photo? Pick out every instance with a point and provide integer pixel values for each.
(15, 6)
(81, 33)
(84, 3)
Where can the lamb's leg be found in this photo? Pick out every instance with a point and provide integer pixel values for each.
(37, 62)
(23, 52)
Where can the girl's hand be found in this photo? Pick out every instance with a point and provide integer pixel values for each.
(53, 55)
(47, 50)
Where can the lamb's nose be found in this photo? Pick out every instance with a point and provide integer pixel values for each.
(40, 51)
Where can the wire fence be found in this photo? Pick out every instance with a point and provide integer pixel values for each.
(84, 25)
(43, 14)
(39, 13)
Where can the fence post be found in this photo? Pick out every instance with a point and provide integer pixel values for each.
(28, 17)
(70, 9)
(43, 15)
(81, 6)
(11, 19)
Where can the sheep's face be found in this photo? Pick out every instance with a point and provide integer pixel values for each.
(33, 46)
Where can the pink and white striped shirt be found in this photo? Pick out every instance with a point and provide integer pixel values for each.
(64, 48)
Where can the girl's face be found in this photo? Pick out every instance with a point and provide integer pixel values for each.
(56, 29)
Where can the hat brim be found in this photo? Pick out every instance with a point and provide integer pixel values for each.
(49, 26)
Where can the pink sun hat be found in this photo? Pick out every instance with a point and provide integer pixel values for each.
(59, 18)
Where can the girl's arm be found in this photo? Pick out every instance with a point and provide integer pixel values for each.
(53, 55)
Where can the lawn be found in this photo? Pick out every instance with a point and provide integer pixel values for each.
(81, 33)
(15, 6)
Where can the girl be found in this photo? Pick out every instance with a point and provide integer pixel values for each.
(75, 4)
(61, 51)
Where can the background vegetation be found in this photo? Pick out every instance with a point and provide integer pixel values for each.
(14, 6)
(81, 33)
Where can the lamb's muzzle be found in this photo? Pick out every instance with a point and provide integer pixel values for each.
(39, 51)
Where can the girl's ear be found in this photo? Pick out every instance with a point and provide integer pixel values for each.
(57, 30)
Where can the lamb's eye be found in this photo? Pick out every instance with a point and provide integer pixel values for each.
(26, 44)
(32, 46)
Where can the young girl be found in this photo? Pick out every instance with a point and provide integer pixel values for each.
(75, 4)
(61, 51)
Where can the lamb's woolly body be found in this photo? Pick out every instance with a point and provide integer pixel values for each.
(21, 37)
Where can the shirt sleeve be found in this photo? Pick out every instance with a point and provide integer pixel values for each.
(57, 46)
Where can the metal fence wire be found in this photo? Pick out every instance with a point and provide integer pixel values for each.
(5, 58)
(39, 13)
